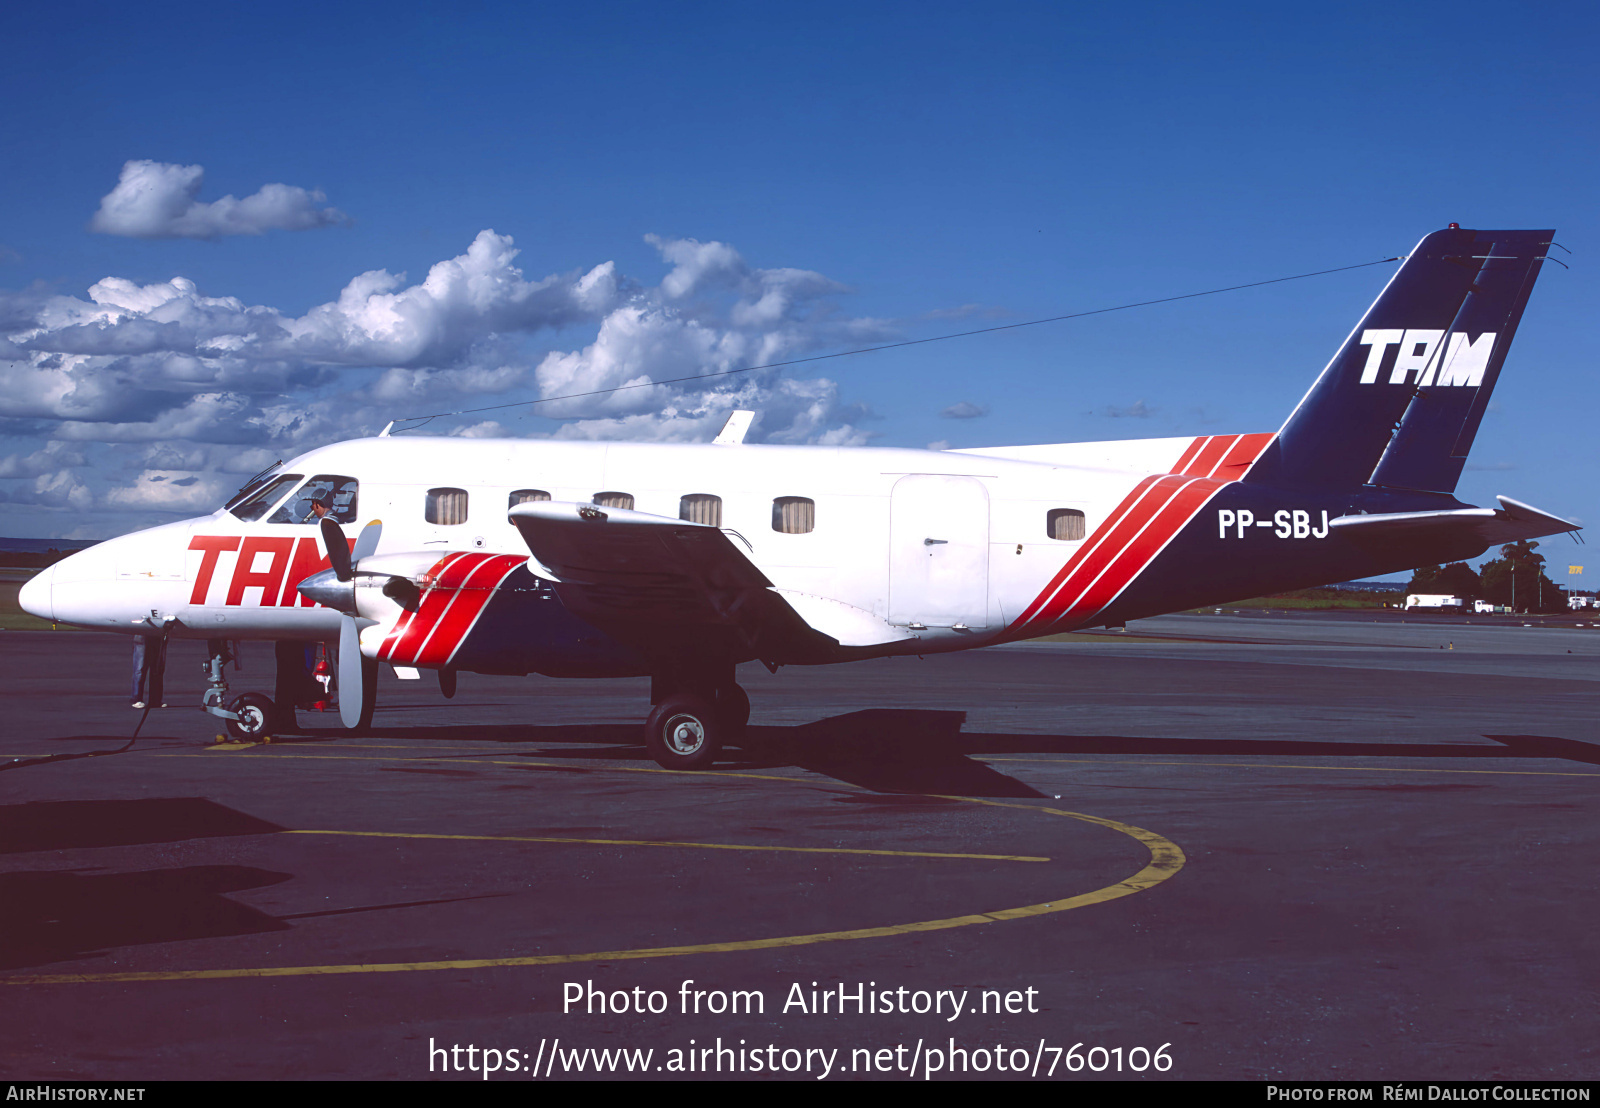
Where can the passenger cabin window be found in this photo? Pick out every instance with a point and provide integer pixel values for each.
(1065, 524)
(253, 507)
(446, 507)
(622, 500)
(701, 507)
(794, 515)
(523, 496)
(326, 494)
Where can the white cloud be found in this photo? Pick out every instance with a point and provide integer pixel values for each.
(166, 491)
(52, 457)
(168, 381)
(60, 489)
(157, 200)
(965, 409)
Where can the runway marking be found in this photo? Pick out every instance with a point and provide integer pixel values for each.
(449, 760)
(1166, 859)
(278, 753)
(1274, 765)
(655, 842)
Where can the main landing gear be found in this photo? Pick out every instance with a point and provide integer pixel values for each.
(692, 719)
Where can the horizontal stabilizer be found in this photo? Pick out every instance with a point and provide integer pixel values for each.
(1511, 522)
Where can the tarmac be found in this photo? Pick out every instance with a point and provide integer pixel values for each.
(1226, 846)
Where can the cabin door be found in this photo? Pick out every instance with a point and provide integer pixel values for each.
(939, 551)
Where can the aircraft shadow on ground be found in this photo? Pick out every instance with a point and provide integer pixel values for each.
(68, 824)
(924, 751)
(63, 915)
(56, 916)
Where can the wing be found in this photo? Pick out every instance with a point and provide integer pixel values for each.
(667, 587)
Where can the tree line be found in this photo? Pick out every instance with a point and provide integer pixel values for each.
(1516, 580)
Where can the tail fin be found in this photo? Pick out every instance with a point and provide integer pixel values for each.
(1401, 401)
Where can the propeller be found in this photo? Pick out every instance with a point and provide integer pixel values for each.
(352, 682)
(345, 562)
(338, 550)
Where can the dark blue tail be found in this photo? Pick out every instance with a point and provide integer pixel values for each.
(1400, 403)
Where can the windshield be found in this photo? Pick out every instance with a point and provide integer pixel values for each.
(326, 494)
(258, 503)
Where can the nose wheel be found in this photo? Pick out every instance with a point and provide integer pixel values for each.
(253, 717)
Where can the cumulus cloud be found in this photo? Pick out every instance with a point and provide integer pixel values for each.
(966, 409)
(51, 458)
(166, 380)
(157, 200)
(166, 491)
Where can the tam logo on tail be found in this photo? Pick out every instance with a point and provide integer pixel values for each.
(1463, 361)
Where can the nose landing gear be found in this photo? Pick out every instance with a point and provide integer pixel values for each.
(250, 716)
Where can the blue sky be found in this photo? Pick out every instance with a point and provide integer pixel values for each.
(763, 183)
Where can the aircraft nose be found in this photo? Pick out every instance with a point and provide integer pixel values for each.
(36, 595)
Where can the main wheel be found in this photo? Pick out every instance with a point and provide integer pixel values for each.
(733, 707)
(684, 732)
(256, 717)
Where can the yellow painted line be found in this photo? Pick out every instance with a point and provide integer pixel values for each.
(444, 759)
(1274, 765)
(1166, 859)
(656, 842)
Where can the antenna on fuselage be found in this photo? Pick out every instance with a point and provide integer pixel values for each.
(734, 431)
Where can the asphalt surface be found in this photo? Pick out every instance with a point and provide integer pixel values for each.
(1237, 847)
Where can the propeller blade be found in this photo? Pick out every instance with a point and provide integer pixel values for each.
(367, 541)
(338, 550)
(351, 690)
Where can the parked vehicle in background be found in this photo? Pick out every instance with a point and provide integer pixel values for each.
(1435, 600)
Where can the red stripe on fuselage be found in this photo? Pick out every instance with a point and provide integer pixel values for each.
(1242, 456)
(1139, 552)
(1090, 548)
(1211, 455)
(1139, 528)
(1188, 455)
(1108, 557)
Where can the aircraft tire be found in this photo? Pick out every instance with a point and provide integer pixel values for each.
(257, 717)
(684, 732)
(733, 707)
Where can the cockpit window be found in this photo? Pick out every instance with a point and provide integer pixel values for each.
(256, 482)
(260, 502)
(326, 494)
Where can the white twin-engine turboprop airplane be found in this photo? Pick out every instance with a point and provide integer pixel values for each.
(682, 561)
